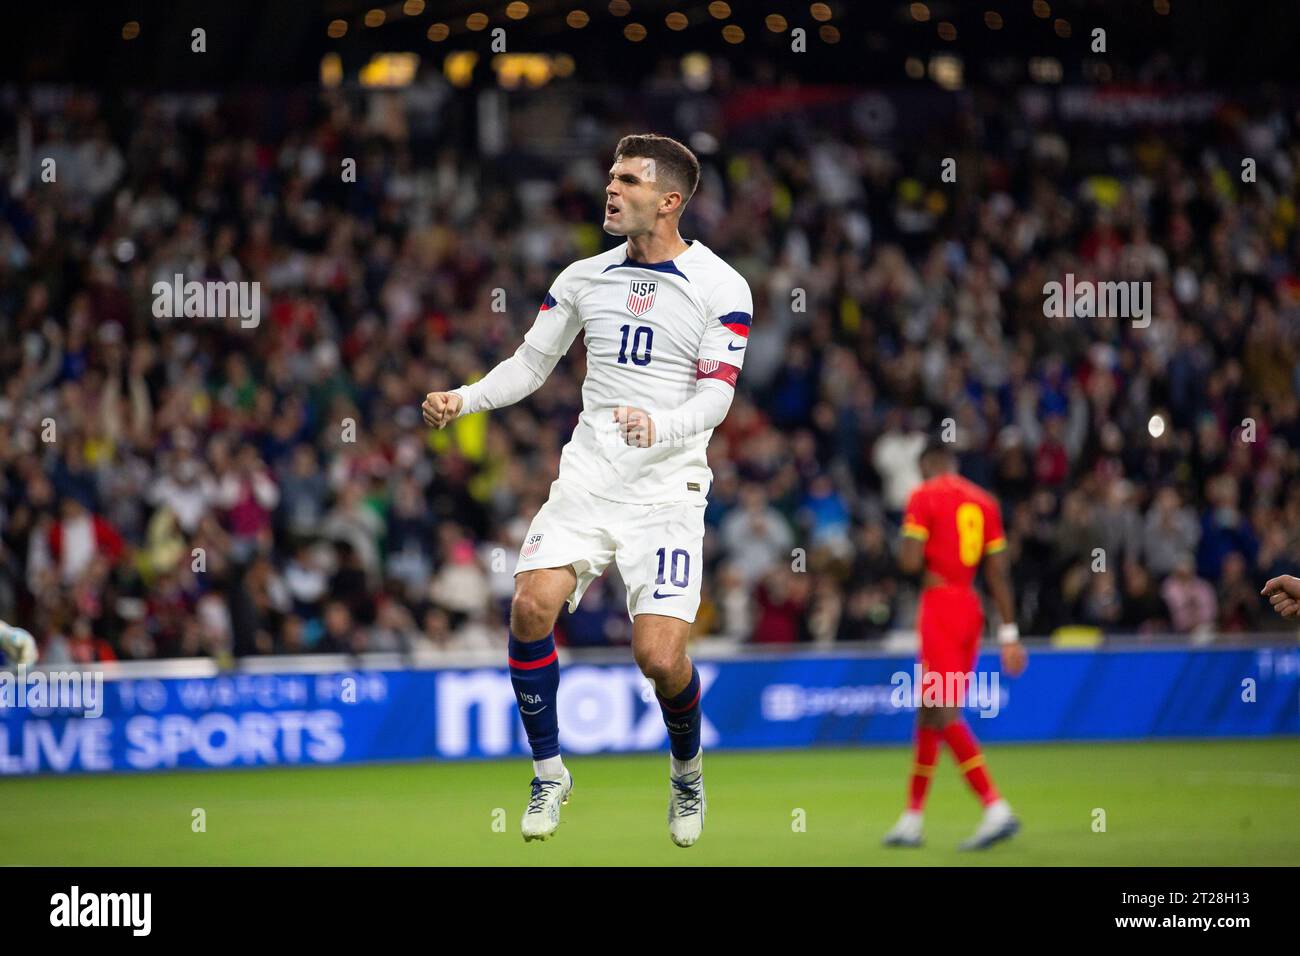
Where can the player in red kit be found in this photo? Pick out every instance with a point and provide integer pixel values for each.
(950, 528)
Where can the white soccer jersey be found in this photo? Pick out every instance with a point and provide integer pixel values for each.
(655, 333)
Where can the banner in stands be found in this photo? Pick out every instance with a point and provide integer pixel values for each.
(281, 719)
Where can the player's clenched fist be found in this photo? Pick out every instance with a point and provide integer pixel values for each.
(635, 426)
(1014, 659)
(1283, 592)
(440, 408)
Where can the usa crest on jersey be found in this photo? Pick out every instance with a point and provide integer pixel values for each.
(641, 296)
(531, 545)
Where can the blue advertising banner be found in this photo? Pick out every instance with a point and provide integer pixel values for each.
(243, 720)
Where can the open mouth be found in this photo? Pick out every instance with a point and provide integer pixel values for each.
(611, 209)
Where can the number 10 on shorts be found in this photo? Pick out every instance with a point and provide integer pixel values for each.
(679, 571)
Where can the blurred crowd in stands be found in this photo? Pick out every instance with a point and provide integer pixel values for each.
(190, 486)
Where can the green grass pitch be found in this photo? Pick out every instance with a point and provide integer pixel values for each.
(1167, 803)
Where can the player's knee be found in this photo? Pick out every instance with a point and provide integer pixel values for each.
(530, 618)
(657, 664)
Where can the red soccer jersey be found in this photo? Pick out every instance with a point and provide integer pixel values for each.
(959, 522)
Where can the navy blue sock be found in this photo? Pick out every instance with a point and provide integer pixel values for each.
(535, 673)
(682, 718)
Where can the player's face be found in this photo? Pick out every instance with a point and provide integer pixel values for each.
(632, 197)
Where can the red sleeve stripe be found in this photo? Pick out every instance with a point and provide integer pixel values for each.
(712, 368)
(737, 322)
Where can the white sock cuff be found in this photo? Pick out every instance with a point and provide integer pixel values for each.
(680, 767)
(552, 768)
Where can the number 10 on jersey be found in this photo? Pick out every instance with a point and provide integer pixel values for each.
(638, 345)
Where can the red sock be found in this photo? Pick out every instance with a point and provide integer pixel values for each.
(969, 760)
(927, 754)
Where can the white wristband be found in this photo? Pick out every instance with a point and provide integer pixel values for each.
(1008, 633)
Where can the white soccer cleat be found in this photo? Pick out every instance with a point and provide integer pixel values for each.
(999, 824)
(542, 817)
(906, 832)
(17, 645)
(686, 807)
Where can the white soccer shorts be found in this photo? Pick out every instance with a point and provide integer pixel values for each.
(659, 548)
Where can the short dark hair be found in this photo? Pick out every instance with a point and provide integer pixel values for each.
(673, 161)
(937, 448)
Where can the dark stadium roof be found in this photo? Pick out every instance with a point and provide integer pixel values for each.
(254, 42)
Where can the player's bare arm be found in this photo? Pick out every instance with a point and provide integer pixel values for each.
(1283, 593)
(997, 576)
(911, 555)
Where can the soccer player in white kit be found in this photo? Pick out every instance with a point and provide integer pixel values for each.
(665, 322)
